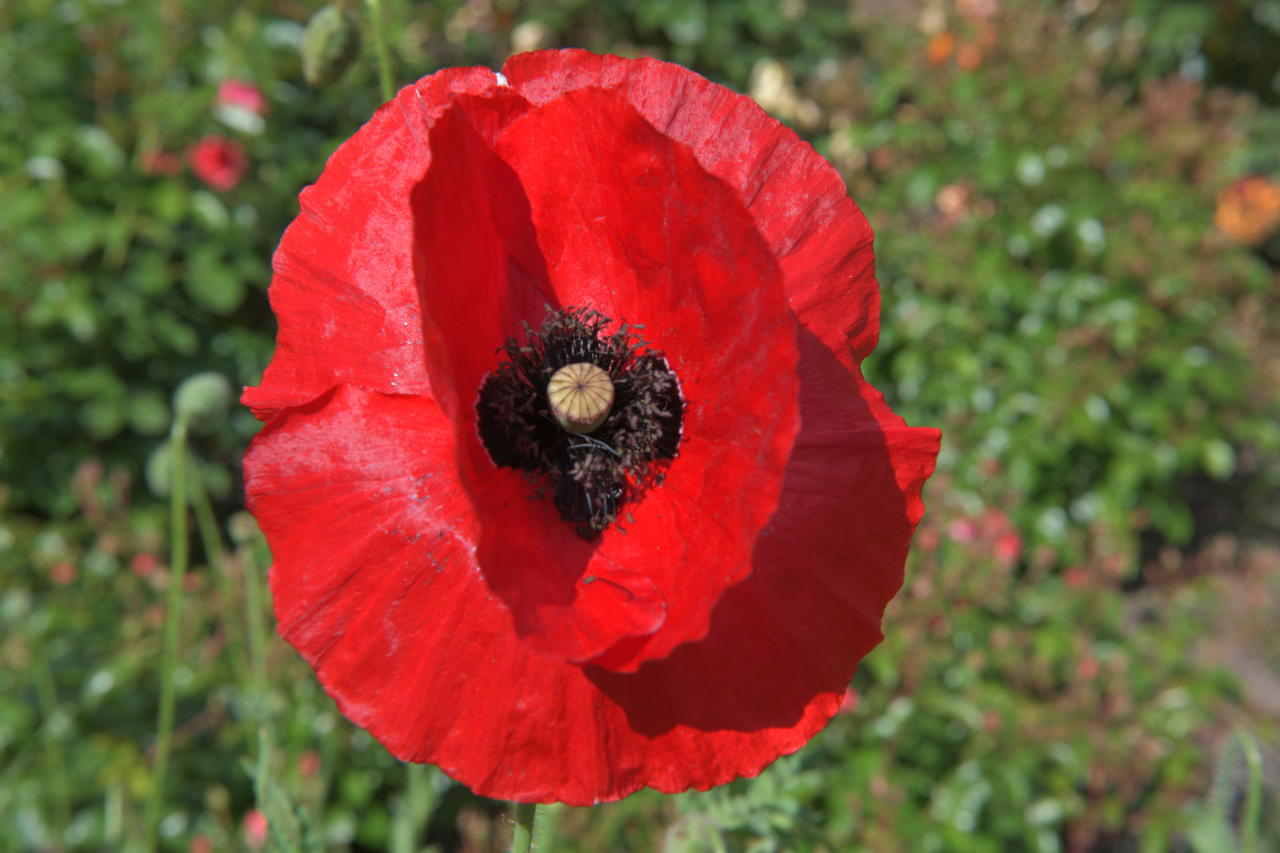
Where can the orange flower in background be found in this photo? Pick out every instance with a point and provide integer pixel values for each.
(945, 46)
(940, 48)
(63, 573)
(968, 57)
(1249, 210)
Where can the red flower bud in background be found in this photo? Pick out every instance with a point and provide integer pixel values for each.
(657, 568)
(219, 162)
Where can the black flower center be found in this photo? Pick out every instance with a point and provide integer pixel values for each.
(593, 415)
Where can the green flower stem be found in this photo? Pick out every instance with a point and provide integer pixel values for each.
(522, 839)
(411, 811)
(257, 634)
(215, 553)
(257, 667)
(173, 617)
(380, 48)
(55, 766)
(257, 678)
(285, 830)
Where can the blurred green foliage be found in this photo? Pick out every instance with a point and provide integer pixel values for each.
(1103, 358)
(1059, 300)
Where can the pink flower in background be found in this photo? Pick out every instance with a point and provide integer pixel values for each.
(144, 564)
(254, 830)
(1008, 547)
(1076, 577)
(308, 764)
(242, 94)
(1005, 538)
(963, 530)
(978, 10)
(219, 162)
(991, 533)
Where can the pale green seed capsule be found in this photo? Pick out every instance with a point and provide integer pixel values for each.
(580, 395)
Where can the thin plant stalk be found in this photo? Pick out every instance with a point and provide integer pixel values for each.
(215, 553)
(282, 820)
(522, 838)
(257, 634)
(257, 669)
(1253, 792)
(56, 766)
(380, 48)
(173, 617)
(411, 812)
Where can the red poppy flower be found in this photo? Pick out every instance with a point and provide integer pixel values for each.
(219, 162)
(547, 609)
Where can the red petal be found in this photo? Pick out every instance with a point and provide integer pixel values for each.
(375, 585)
(683, 274)
(341, 290)
(478, 271)
(683, 277)
(481, 278)
(799, 202)
(784, 643)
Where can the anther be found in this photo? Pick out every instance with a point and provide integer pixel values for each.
(580, 395)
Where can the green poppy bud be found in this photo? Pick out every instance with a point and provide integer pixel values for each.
(202, 399)
(330, 44)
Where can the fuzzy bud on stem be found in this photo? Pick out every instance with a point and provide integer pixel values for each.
(330, 43)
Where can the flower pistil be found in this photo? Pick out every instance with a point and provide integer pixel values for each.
(592, 415)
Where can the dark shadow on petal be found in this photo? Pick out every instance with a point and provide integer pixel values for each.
(823, 570)
(479, 271)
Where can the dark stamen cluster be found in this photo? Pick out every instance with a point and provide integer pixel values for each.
(590, 476)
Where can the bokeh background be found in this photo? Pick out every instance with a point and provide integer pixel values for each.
(1078, 216)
